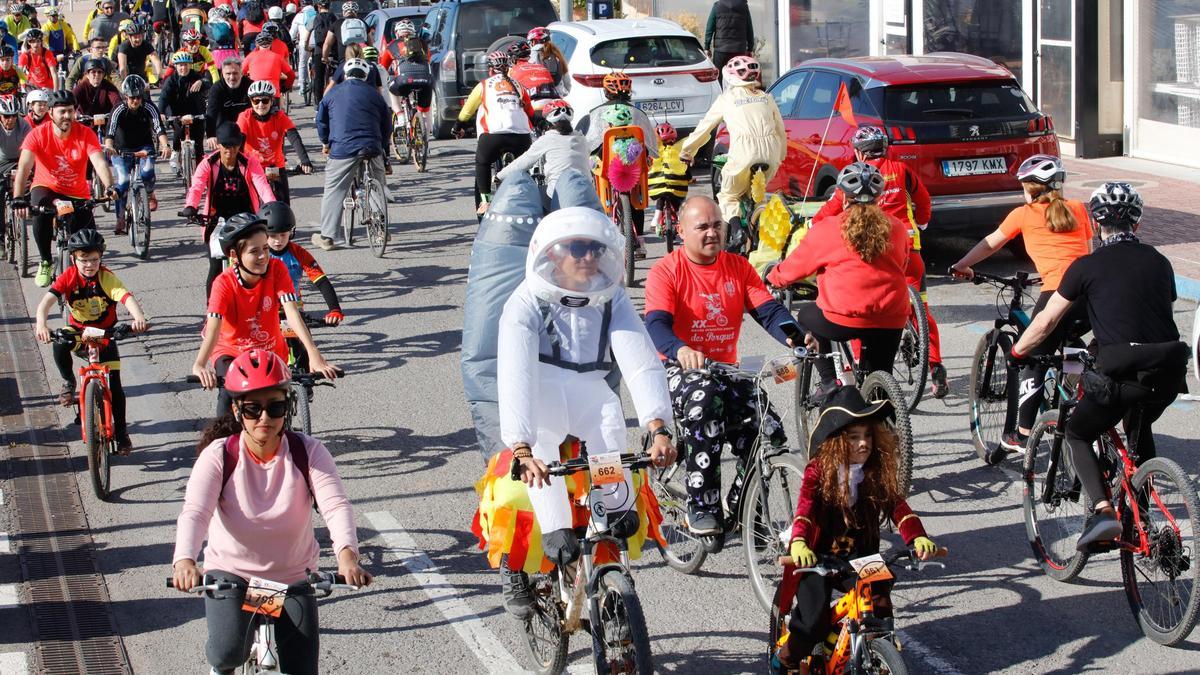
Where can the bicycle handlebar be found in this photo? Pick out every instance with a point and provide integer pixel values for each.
(1020, 281)
(322, 582)
(86, 204)
(69, 336)
(300, 378)
(832, 565)
(628, 460)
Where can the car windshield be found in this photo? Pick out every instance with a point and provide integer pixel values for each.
(389, 32)
(952, 102)
(648, 52)
(482, 23)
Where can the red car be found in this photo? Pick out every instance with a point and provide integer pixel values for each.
(960, 122)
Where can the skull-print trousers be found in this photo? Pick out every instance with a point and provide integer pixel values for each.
(713, 414)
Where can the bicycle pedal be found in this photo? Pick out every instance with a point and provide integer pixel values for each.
(348, 203)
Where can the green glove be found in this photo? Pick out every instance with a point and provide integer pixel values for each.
(924, 545)
(802, 554)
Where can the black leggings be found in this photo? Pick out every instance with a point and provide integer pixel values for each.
(809, 624)
(1032, 376)
(879, 345)
(43, 225)
(110, 355)
(224, 400)
(281, 188)
(489, 149)
(230, 635)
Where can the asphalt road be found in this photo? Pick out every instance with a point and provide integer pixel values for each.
(399, 429)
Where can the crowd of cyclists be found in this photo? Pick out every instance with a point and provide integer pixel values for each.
(80, 108)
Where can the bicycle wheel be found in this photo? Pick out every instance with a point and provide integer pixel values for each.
(1161, 583)
(187, 163)
(807, 407)
(544, 638)
(400, 143)
(94, 442)
(883, 658)
(767, 510)
(880, 386)
(22, 245)
(668, 225)
(911, 366)
(684, 551)
(63, 262)
(1054, 513)
(376, 221)
(420, 141)
(620, 643)
(139, 223)
(625, 214)
(303, 422)
(989, 391)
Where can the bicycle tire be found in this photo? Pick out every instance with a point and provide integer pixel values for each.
(668, 224)
(63, 261)
(883, 657)
(806, 407)
(400, 140)
(420, 144)
(303, 410)
(1052, 534)
(376, 222)
(619, 606)
(95, 444)
(774, 494)
(187, 164)
(23, 266)
(878, 386)
(1170, 551)
(349, 213)
(10, 237)
(684, 552)
(625, 214)
(544, 639)
(139, 226)
(989, 400)
(911, 367)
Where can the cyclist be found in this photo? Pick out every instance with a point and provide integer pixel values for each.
(60, 37)
(164, 18)
(183, 93)
(545, 52)
(322, 25)
(18, 20)
(906, 199)
(695, 301)
(38, 103)
(221, 31)
(95, 95)
(266, 128)
(534, 77)
(859, 257)
(669, 176)
(1056, 232)
(226, 99)
(300, 31)
(554, 343)
(58, 154)
(376, 76)
(256, 516)
(505, 123)
(1128, 289)
(226, 183)
(345, 32)
(618, 90)
(407, 59)
(120, 38)
(133, 54)
(192, 17)
(13, 130)
(36, 62)
(243, 308)
(756, 134)
(202, 59)
(91, 293)
(11, 79)
(97, 52)
(354, 124)
(558, 149)
(266, 65)
(275, 25)
(8, 40)
(133, 126)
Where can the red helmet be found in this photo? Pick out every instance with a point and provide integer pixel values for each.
(666, 133)
(557, 110)
(256, 370)
(538, 35)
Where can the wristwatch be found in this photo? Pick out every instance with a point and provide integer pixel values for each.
(663, 431)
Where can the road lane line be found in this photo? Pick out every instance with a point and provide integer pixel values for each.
(931, 662)
(13, 663)
(483, 642)
(8, 596)
(5, 546)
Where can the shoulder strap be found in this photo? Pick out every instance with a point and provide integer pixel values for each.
(299, 452)
(232, 455)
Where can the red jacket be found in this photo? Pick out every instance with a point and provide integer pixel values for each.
(825, 531)
(851, 292)
(904, 195)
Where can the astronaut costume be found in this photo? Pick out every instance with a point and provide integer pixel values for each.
(557, 345)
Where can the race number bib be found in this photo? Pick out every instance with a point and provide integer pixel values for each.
(265, 597)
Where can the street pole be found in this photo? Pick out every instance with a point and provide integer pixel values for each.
(565, 10)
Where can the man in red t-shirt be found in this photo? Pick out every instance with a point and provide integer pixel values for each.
(266, 127)
(265, 64)
(695, 299)
(58, 154)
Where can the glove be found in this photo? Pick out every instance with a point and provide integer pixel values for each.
(334, 316)
(188, 212)
(924, 546)
(802, 554)
(1015, 359)
(20, 203)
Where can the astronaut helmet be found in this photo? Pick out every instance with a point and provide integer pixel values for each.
(575, 258)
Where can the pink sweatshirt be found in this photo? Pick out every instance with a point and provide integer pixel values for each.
(263, 524)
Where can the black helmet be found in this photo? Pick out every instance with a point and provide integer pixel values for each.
(518, 50)
(279, 217)
(92, 63)
(7, 51)
(237, 228)
(62, 98)
(87, 239)
(133, 86)
(870, 141)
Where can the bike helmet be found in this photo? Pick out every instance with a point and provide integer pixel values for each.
(518, 50)
(8, 107)
(91, 63)
(1044, 170)
(7, 52)
(861, 183)
(273, 29)
(1116, 205)
(190, 35)
(538, 35)
(275, 13)
(618, 115)
(557, 110)
(256, 370)
(571, 228)
(31, 34)
(264, 40)
(38, 96)
(237, 228)
(742, 70)
(279, 217)
(261, 88)
(87, 239)
(181, 57)
(666, 133)
(291, 8)
(62, 98)
(370, 54)
(498, 61)
(870, 141)
(51, 11)
(405, 28)
(133, 86)
(357, 69)
(617, 82)
(349, 7)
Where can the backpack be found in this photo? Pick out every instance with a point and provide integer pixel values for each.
(321, 25)
(295, 446)
(354, 32)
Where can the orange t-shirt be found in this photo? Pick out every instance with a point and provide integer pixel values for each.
(250, 316)
(265, 139)
(62, 163)
(1052, 252)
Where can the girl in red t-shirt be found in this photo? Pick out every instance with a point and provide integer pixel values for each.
(266, 127)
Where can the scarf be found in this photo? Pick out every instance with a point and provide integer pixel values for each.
(854, 480)
(1118, 238)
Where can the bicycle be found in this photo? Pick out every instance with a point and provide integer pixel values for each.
(187, 148)
(64, 211)
(97, 187)
(750, 207)
(620, 203)
(668, 221)
(94, 406)
(1159, 521)
(303, 382)
(409, 132)
(263, 654)
(363, 206)
(620, 639)
(16, 233)
(862, 642)
(761, 508)
(137, 205)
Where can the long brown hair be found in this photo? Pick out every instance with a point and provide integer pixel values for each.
(222, 427)
(867, 230)
(881, 484)
(1059, 217)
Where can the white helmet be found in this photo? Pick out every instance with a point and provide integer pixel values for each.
(357, 69)
(260, 88)
(591, 234)
(291, 8)
(275, 13)
(38, 96)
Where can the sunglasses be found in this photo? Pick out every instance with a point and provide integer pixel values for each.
(256, 101)
(580, 249)
(253, 410)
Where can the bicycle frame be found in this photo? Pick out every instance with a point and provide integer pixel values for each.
(849, 612)
(95, 371)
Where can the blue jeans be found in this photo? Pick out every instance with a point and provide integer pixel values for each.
(121, 167)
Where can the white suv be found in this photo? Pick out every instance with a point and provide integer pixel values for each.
(673, 81)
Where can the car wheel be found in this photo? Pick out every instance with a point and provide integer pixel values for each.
(441, 128)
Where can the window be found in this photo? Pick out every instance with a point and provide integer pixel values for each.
(787, 90)
(643, 52)
(985, 28)
(829, 28)
(482, 23)
(565, 43)
(957, 102)
(432, 28)
(819, 96)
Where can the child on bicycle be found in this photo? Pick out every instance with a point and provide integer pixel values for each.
(266, 127)
(91, 293)
(669, 175)
(624, 164)
(559, 149)
(849, 486)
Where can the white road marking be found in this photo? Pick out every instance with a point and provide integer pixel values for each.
(931, 662)
(483, 642)
(5, 546)
(8, 596)
(1, 497)
(13, 663)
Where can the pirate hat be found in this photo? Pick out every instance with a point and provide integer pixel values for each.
(842, 407)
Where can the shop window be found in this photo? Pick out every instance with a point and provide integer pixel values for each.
(985, 28)
(1169, 62)
(829, 29)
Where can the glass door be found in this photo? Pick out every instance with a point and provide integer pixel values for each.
(895, 26)
(1056, 63)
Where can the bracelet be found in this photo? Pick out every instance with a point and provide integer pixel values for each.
(1016, 354)
(522, 452)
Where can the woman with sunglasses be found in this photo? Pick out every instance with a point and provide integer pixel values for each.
(250, 495)
(266, 127)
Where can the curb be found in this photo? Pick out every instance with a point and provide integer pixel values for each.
(1187, 289)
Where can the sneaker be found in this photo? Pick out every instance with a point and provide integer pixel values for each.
(174, 164)
(639, 251)
(120, 228)
(45, 274)
(702, 522)
(937, 378)
(1013, 441)
(1101, 526)
(66, 394)
(124, 444)
(518, 594)
(322, 242)
(153, 199)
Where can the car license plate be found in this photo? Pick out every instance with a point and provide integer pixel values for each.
(670, 105)
(976, 166)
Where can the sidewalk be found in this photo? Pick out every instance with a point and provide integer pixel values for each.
(1172, 214)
